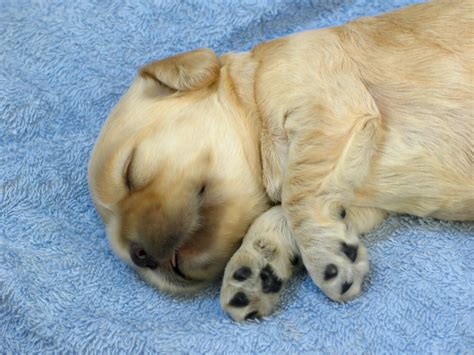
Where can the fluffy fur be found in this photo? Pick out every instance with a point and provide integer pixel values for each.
(340, 126)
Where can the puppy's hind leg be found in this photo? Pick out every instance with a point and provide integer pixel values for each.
(257, 272)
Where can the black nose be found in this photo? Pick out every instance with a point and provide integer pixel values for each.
(141, 258)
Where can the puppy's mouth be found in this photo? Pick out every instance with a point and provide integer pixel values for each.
(175, 265)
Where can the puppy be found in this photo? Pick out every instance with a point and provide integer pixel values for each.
(335, 128)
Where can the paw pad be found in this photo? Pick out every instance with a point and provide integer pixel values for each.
(240, 299)
(330, 272)
(345, 286)
(343, 213)
(270, 282)
(350, 251)
(242, 274)
(295, 260)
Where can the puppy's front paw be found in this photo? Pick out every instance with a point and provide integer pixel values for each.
(253, 280)
(338, 267)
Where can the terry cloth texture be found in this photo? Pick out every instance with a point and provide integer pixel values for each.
(63, 65)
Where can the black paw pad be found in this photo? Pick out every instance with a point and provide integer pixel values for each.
(271, 283)
(252, 315)
(343, 213)
(345, 287)
(242, 274)
(295, 260)
(330, 272)
(240, 299)
(350, 251)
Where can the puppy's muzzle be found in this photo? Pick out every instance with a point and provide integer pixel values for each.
(144, 260)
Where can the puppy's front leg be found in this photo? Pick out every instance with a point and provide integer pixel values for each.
(324, 171)
(256, 273)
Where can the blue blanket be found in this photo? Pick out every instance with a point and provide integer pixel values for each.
(63, 65)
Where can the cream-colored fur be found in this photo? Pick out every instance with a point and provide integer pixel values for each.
(340, 126)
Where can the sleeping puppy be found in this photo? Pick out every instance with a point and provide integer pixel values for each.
(300, 145)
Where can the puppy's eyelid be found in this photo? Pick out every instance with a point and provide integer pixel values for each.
(127, 171)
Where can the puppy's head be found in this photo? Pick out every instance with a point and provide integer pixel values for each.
(175, 174)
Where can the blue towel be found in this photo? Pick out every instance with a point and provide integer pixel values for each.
(63, 65)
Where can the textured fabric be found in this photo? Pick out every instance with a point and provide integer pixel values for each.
(63, 65)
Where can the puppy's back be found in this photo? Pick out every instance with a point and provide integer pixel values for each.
(417, 64)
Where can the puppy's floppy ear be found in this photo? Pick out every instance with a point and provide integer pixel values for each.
(185, 71)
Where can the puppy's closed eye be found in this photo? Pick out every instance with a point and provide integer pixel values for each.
(127, 172)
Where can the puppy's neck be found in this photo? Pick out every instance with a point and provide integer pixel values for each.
(237, 84)
(239, 72)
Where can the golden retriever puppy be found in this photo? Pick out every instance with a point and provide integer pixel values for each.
(335, 128)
